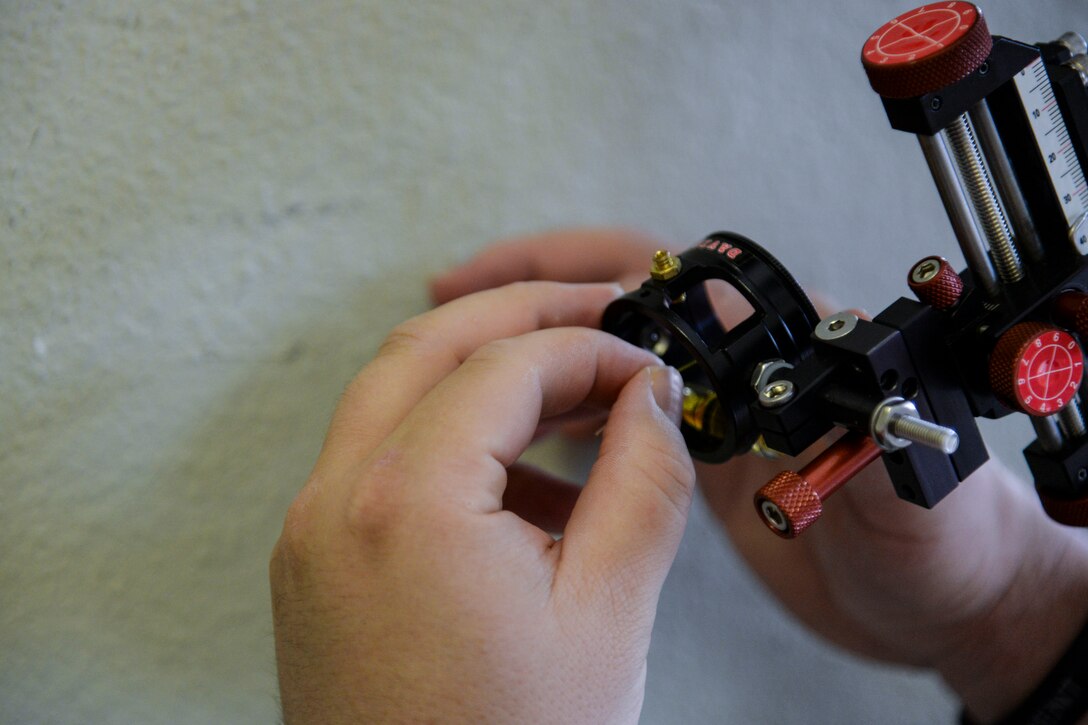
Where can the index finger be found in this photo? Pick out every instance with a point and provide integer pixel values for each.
(459, 440)
(427, 348)
(568, 255)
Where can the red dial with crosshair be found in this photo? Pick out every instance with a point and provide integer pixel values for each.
(1036, 368)
(926, 49)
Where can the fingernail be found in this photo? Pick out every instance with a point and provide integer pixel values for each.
(666, 384)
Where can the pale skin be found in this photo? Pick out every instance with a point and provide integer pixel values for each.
(415, 579)
(404, 590)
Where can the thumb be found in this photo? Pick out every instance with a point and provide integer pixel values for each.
(628, 522)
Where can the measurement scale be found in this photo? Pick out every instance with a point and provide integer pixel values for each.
(1052, 138)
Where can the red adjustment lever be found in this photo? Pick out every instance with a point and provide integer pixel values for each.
(791, 502)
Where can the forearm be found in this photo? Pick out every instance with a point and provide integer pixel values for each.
(1012, 647)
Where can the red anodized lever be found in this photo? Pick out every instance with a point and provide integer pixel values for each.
(792, 501)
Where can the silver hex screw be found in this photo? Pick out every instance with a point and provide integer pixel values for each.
(775, 394)
(838, 325)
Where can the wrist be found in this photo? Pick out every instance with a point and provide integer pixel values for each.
(1009, 648)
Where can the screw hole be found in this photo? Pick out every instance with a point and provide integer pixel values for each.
(984, 69)
(907, 493)
(910, 388)
(936, 103)
(889, 379)
(774, 515)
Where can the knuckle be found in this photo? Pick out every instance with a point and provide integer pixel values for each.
(292, 553)
(537, 298)
(284, 566)
(408, 338)
(371, 517)
(376, 507)
(524, 288)
(494, 352)
(298, 534)
(321, 524)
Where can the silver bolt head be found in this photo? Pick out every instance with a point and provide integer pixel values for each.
(775, 394)
(1074, 42)
(838, 325)
(925, 270)
(774, 515)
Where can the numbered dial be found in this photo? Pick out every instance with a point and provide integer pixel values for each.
(1036, 368)
(926, 49)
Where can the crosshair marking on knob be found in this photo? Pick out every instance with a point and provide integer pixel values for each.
(927, 30)
(1049, 371)
(1036, 368)
(926, 49)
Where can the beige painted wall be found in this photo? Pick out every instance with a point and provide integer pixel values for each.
(211, 212)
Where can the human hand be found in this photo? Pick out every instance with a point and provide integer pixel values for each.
(414, 579)
(959, 588)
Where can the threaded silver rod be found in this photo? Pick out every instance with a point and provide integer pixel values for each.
(955, 203)
(1027, 238)
(975, 178)
(931, 435)
(1047, 431)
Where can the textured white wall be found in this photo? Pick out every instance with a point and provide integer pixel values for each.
(210, 214)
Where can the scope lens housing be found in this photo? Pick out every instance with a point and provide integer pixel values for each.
(730, 307)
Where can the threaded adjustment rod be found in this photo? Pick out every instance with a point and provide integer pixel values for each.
(975, 178)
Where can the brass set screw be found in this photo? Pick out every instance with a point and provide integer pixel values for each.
(665, 266)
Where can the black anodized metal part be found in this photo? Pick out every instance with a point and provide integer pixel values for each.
(936, 385)
(929, 113)
(1060, 474)
(696, 343)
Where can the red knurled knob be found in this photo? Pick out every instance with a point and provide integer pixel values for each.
(794, 506)
(791, 502)
(935, 282)
(926, 49)
(1036, 368)
(1071, 512)
(1071, 310)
